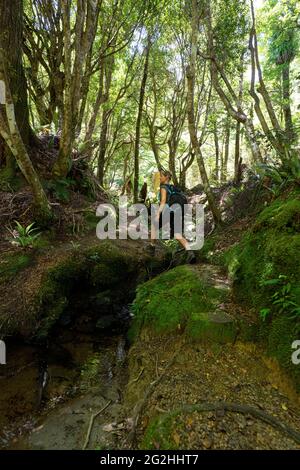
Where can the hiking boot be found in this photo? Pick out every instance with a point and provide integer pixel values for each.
(190, 257)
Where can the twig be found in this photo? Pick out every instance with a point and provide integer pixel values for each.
(156, 365)
(92, 419)
(138, 377)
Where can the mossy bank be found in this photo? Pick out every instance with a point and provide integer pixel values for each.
(265, 268)
(90, 279)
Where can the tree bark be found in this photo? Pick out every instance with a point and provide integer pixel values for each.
(10, 133)
(237, 151)
(231, 101)
(282, 148)
(11, 43)
(139, 121)
(103, 145)
(190, 74)
(286, 94)
(217, 153)
(226, 151)
(84, 35)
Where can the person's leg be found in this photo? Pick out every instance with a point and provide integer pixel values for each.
(153, 234)
(181, 240)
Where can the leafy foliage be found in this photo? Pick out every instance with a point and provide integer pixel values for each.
(24, 236)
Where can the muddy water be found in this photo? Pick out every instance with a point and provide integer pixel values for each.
(49, 393)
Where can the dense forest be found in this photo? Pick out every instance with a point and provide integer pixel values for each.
(96, 98)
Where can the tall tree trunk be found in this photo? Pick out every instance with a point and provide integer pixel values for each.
(139, 121)
(278, 141)
(172, 165)
(154, 146)
(102, 97)
(84, 35)
(11, 43)
(286, 94)
(103, 145)
(10, 132)
(230, 99)
(226, 151)
(186, 162)
(217, 153)
(237, 151)
(190, 74)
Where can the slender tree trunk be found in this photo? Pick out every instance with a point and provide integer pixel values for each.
(84, 35)
(172, 165)
(10, 132)
(237, 151)
(289, 129)
(139, 121)
(282, 148)
(187, 161)
(103, 145)
(102, 97)
(11, 43)
(217, 153)
(226, 151)
(154, 145)
(191, 71)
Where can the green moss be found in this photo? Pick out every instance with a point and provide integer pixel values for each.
(95, 270)
(269, 250)
(159, 433)
(12, 263)
(179, 297)
(280, 215)
(52, 297)
(206, 252)
(213, 327)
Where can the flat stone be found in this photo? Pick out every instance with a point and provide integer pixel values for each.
(215, 326)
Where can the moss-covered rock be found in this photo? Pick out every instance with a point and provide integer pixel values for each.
(265, 268)
(271, 248)
(184, 299)
(80, 282)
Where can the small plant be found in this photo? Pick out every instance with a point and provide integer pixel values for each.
(264, 313)
(282, 299)
(75, 245)
(23, 236)
(60, 188)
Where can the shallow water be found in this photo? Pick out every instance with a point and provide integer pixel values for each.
(44, 388)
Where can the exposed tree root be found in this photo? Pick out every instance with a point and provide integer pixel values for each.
(91, 423)
(141, 404)
(243, 409)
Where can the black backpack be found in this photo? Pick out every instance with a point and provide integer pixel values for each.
(175, 195)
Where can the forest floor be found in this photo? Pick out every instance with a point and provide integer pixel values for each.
(234, 373)
(131, 402)
(162, 374)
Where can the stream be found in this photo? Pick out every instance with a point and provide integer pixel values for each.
(49, 392)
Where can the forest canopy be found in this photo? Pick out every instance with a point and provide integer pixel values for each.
(204, 88)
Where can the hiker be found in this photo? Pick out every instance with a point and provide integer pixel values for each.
(169, 195)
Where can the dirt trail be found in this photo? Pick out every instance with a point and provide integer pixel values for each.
(199, 373)
(238, 373)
